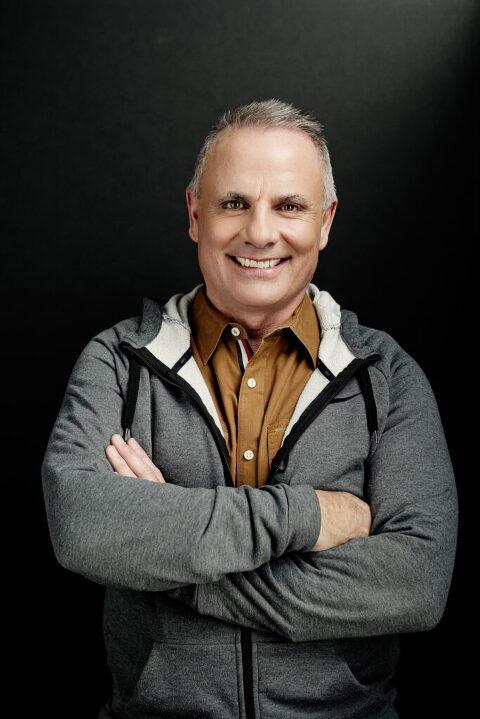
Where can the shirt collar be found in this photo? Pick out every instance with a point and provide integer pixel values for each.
(208, 324)
(305, 325)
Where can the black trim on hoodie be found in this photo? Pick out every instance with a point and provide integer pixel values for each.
(183, 360)
(147, 358)
(318, 405)
(324, 369)
(132, 394)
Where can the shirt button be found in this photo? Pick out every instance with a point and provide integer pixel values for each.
(251, 382)
(248, 454)
(235, 331)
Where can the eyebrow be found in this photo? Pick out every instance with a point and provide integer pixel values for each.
(280, 200)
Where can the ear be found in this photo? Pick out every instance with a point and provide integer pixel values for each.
(327, 220)
(192, 204)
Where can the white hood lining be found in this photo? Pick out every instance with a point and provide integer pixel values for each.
(173, 340)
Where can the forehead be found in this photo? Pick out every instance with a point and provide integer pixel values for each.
(276, 156)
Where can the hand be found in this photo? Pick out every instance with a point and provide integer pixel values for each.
(130, 460)
(344, 516)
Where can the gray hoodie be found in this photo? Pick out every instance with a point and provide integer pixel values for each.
(215, 607)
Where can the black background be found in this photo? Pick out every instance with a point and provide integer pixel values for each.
(105, 107)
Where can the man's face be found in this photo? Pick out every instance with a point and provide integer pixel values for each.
(261, 200)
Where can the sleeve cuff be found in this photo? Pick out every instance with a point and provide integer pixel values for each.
(303, 517)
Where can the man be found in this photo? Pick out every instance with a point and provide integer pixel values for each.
(281, 504)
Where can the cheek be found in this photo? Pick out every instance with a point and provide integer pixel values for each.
(305, 241)
(218, 232)
(210, 255)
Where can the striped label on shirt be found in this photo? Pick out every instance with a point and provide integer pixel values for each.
(244, 352)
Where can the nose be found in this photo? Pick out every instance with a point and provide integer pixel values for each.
(260, 228)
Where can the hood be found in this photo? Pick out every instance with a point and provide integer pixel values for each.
(161, 321)
(164, 335)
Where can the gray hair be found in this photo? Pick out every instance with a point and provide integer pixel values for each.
(269, 113)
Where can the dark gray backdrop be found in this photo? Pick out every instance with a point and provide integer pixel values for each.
(106, 104)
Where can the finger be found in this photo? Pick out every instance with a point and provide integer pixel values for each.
(143, 455)
(136, 463)
(140, 451)
(118, 463)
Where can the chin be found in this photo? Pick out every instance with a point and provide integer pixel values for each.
(259, 299)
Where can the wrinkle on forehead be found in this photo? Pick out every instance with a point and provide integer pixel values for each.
(264, 160)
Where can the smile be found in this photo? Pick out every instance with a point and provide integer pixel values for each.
(261, 264)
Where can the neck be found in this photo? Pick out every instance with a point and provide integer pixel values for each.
(260, 321)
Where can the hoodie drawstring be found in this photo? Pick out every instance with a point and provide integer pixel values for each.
(370, 406)
(132, 393)
(134, 382)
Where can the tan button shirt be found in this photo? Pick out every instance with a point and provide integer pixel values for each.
(254, 393)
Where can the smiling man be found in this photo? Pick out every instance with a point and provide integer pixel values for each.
(261, 482)
(261, 201)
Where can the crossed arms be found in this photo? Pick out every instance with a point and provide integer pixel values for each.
(155, 536)
(343, 515)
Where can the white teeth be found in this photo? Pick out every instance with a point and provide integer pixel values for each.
(245, 262)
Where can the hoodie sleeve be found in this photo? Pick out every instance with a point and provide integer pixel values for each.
(397, 579)
(129, 532)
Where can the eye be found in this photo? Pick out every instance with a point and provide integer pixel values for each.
(233, 205)
(290, 207)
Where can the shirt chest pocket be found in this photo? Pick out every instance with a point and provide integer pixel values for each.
(275, 432)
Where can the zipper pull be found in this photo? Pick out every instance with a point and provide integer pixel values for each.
(282, 466)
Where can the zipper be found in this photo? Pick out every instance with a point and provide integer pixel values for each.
(305, 419)
(247, 669)
(161, 369)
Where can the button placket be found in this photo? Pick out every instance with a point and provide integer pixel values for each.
(250, 417)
